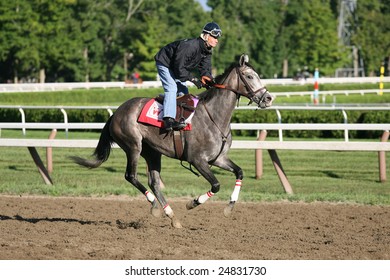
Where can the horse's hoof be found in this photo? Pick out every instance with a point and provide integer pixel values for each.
(155, 211)
(192, 204)
(227, 212)
(176, 223)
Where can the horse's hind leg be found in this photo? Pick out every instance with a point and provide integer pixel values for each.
(131, 176)
(153, 160)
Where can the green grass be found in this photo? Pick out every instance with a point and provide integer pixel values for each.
(314, 175)
(115, 97)
(110, 97)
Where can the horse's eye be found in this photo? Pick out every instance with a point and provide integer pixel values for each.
(250, 77)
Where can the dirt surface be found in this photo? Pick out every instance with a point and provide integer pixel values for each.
(122, 228)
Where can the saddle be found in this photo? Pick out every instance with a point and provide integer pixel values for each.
(152, 114)
(185, 106)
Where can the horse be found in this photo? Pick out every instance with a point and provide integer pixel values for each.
(205, 145)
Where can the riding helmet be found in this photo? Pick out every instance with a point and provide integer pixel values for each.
(213, 29)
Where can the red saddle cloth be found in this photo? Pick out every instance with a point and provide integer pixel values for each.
(153, 111)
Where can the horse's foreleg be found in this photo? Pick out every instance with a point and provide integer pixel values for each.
(204, 169)
(226, 164)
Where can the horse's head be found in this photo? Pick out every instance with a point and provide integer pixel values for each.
(250, 85)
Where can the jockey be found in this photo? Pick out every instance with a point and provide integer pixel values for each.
(174, 64)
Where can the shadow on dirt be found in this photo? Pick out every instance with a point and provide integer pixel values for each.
(119, 223)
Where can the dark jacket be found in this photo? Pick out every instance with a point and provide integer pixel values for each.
(184, 56)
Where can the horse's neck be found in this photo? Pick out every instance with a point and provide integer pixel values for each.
(221, 107)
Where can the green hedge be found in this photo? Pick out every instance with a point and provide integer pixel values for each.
(239, 116)
(308, 116)
(118, 96)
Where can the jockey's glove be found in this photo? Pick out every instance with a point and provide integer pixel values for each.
(196, 82)
(207, 81)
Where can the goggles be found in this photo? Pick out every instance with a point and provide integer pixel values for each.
(215, 32)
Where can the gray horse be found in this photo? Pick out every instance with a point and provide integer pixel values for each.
(205, 145)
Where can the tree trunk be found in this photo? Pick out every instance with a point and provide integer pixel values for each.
(355, 61)
(285, 68)
(125, 56)
(16, 79)
(85, 55)
(42, 75)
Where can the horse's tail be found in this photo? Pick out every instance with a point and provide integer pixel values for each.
(102, 150)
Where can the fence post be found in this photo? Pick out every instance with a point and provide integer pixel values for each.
(279, 170)
(65, 120)
(346, 133)
(23, 119)
(382, 159)
(259, 155)
(41, 167)
(49, 152)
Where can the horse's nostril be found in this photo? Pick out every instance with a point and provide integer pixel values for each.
(270, 98)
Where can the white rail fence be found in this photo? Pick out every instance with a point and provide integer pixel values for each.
(345, 145)
(271, 146)
(278, 112)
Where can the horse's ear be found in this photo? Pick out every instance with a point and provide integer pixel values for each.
(244, 59)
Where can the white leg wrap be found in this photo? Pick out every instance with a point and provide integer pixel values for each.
(150, 197)
(236, 191)
(204, 197)
(168, 210)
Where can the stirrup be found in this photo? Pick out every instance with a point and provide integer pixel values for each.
(178, 125)
(170, 124)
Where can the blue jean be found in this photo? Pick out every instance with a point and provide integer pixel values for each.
(172, 88)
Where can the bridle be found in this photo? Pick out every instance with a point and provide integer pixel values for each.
(250, 94)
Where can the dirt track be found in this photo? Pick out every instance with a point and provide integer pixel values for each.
(122, 228)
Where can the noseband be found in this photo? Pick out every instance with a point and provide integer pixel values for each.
(250, 94)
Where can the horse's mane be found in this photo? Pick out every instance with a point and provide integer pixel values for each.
(208, 94)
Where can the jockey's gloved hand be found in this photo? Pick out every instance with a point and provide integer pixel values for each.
(208, 81)
(196, 82)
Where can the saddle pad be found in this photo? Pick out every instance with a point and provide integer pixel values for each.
(152, 113)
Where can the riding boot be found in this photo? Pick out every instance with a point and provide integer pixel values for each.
(170, 124)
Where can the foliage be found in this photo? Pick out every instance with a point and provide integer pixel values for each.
(86, 40)
(372, 36)
(313, 41)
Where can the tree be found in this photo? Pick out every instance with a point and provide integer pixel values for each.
(234, 40)
(372, 33)
(313, 41)
(19, 53)
(159, 23)
(60, 47)
(88, 40)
